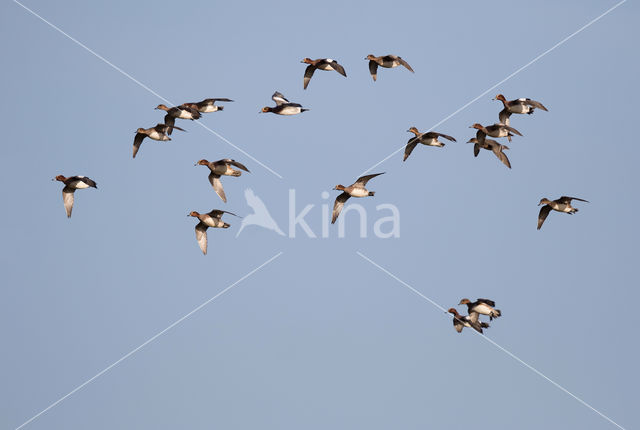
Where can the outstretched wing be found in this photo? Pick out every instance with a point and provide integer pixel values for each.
(67, 198)
(201, 236)
(512, 130)
(373, 69)
(362, 180)
(476, 149)
(338, 205)
(411, 145)
(169, 121)
(338, 68)
(216, 183)
(434, 134)
(405, 64)
(544, 212)
(535, 104)
(503, 116)
(497, 149)
(308, 73)
(279, 98)
(238, 165)
(567, 199)
(487, 302)
(217, 213)
(137, 141)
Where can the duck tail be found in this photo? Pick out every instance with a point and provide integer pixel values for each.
(371, 193)
(220, 107)
(304, 110)
(236, 173)
(226, 225)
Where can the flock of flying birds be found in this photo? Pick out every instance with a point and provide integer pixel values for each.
(225, 167)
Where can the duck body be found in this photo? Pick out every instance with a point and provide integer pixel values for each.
(357, 189)
(327, 64)
(518, 106)
(207, 105)
(221, 168)
(159, 133)
(182, 112)
(494, 130)
(283, 106)
(563, 204)
(428, 139)
(387, 61)
(481, 307)
(71, 184)
(211, 219)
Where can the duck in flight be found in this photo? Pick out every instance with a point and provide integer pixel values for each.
(493, 146)
(321, 64)
(520, 106)
(387, 61)
(283, 106)
(210, 219)
(71, 184)
(183, 112)
(159, 132)
(461, 321)
(357, 189)
(221, 168)
(481, 307)
(563, 204)
(429, 139)
(495, 130)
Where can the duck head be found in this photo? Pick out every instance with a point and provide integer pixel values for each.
(500, 97)
(307, 60)
(370, 57)
(473, 140)
(202, 162)
(162, 107)
(414, 131)
(339, 187)
(544, 201)
(476, 126)
(265, 109)
(453, 311)
(464, 302)
(194, 214)
(59, 178)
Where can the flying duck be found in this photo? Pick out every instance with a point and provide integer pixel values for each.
(516, 106)
(492, 146)
(357, 189)
(183, 112)
(220, 168)
(283, 106)
(481, 306)
(388, 61)
(495, 130)
(206, 105)
(563, 204)
(322, 64)
(460, 321)
(71, 184)
(211, 219)
(429, 139)
(159, 132)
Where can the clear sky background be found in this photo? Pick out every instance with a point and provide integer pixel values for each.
(319, 338)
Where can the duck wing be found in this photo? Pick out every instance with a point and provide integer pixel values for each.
(338, 68)
(486, 302)
(216, 183)
(511, 129)
(169, 121)
(503, 116)
(201, 236)
(433, 134)
(308, 73)
(373, 69)
(217, 213)
(279, 98)
(405, 64)
(362, 180)
(476, 149)
(544, 212)
(457, 324)
(567, 199)
(535, 104)
(338, 205)
(481, 136)
(411, 145)
(67, 198)
(501, 155)
(137, 141)
(238, 165)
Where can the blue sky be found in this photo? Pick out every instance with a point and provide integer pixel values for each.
(319, 337)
